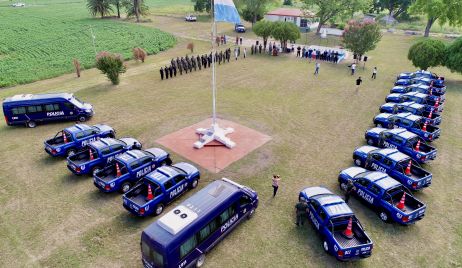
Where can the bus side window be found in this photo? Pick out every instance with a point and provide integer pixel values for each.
(18, 110)
(188, 246)
(34, 109)
(226, 214)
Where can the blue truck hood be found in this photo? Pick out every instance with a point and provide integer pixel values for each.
(383, 115)
(159, 153)
(366, 149)
(130, 141)
(353, 171)
(104, 127)
(188, 168)
(394, 96)
(376, 130)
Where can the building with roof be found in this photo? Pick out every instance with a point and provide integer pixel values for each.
(303, 19)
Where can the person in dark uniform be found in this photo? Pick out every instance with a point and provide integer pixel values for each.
(180, 67)
(166, 72)
(174, 70)
(301, 209)
(229, 54)
(190, 66)
(251, 49)
(260, 48)
(161, 73)
(177, 62)
(172, 62)
(170, 70)
(199, 64)
(350, 188)
(185, 65)
(193, 63)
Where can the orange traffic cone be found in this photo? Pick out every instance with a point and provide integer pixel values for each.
(408, 168)
(430, 115)
(424, 128)
(400, 205)
(91, 155)
(150, 195)
(118, 173)
(437, 103)
(64, 137)
(348, 233)
(417, 147)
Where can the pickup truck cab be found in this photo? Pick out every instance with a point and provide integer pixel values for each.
(395, 164)
(330, 216)
(96, 155)
(419, 73)
(403, 140)
(383, 194)
(420, 88)
(413, 108)
(416, 97)
(412, 123)
(166, 184)
(73, 139)
(128, 168)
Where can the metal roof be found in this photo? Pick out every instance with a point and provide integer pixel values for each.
(24, 97)
(291, 12)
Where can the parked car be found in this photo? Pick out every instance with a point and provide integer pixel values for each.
(96, 155)
(190, 18)
(18, 5)
(403, 140)
(71, 140)
(239, 28)
(159, 188)
(413, 123)
(128, 168)
(396, 164)
(342, 234)
(389, 198)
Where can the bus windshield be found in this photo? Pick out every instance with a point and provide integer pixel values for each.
(150, 255)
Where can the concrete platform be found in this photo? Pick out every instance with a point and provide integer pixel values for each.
(214, 156)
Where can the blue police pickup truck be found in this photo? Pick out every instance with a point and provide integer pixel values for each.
(413, 108)
(419, 73)
(384, 195)
(403, 140)
(412, 123)
(96, 155)
(395, 164)
(127, 168)
(420, 88)
(417, 97)
(73, 139)
(165, 183)
(330, 216)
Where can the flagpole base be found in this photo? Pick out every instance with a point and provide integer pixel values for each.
(214, 133)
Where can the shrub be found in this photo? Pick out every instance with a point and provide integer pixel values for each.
(111, 65)
(139, 54)
(190, 46)
(77, 67)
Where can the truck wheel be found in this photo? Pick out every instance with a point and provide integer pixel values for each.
(158, 210)
(343, 186)
(194, 183)
(358, 162)
(370, 142)
(379, 125)
(95, 170)
(111, 134)
(384, 216)
(325, 246)
(70, 152)
(31, 124)
(200, 261)
(82, 118)
(390, 126)
(126, 186)
(252, 211)
(168, 161)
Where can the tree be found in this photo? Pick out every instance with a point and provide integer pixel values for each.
(131, 11)
(427, 53)
(263, 29)
(445, 11)
(102, 7)
(201, 5)
(117, 4)
(331, 9)
(361, 37)
(252, 10)
(111, 65)
(285, 31)
(454, 56)
(395, 7)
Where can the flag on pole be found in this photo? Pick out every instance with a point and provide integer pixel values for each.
(226, 11)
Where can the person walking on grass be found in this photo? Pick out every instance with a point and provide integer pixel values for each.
(245, 52)
(316, 68)
(301, 209)
(358, 83)
(374, 73)
(353, 69)
(275, 184)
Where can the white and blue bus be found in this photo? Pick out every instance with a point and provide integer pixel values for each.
(29, 109)
(184, 235)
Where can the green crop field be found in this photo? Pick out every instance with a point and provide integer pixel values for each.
(40, 40)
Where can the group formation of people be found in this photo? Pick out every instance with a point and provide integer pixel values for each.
(328, 55)
(189, 63)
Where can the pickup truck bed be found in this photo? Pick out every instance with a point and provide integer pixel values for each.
(345, 242)
(139, 200)
(138, 196)
(82, 157)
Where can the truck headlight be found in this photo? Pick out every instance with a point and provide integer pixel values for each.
(112, 184)
(58, 150)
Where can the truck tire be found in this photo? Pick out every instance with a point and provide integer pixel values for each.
(31, 124)
(200, 261)
(370, 142)
(158, 209)
(194, 183)
(111, 134)
(384, 216)
(168, 161)
(126, 186)
(358, 162)
(70, 152)
(343, 186)
(379, 125)
(82, 118)
(250, 216)
(95, 170)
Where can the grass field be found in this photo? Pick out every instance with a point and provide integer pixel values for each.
(40, 40)
(51, 218)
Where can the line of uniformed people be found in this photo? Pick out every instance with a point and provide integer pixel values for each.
(188, 63)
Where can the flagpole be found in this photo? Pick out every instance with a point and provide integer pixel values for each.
(214, 88)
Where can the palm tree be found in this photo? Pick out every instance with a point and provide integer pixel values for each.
(102, 7)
